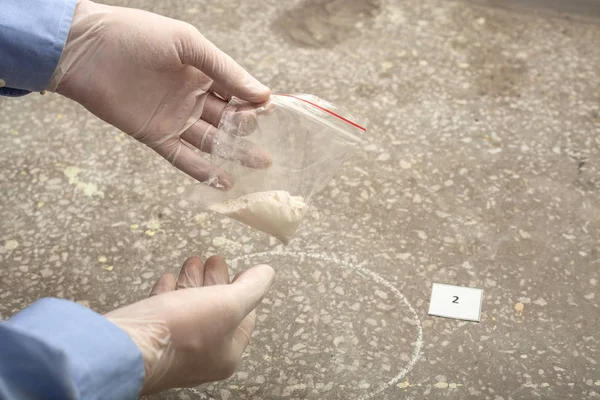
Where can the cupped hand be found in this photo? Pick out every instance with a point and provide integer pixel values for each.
(194, 329)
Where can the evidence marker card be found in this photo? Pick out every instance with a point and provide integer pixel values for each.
(456, 302)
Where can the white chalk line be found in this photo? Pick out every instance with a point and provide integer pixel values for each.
(377, 279)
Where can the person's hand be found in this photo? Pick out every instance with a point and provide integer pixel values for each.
(194, 329)
(156, 79)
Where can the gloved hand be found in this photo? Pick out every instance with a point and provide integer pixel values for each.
(194, 330)
(156, 79)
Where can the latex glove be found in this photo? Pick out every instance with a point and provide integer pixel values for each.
(156, 79)
(194, 330)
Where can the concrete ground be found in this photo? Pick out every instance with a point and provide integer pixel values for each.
(481, 168)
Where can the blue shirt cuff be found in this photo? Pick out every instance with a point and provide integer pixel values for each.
(33, 34)
(105, 362)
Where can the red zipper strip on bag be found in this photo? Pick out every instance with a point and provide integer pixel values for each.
(326, 110)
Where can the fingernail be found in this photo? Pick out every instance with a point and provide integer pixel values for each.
(260, 92)
(224, 183)
(255, 157)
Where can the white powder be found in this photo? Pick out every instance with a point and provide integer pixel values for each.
(275, 212)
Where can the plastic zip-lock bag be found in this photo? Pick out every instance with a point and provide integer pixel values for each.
(275, 157)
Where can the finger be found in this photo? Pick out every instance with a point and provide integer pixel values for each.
(213, 109)
(250, 287)
(242, 118)
(216, 271)
(193, 164)
(218, 89)
(203, 136)
(243, 333)
(191, 274)
(199, 52)
(164, 284)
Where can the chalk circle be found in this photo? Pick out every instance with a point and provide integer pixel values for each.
(329, 328)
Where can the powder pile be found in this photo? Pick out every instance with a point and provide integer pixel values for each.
(274, 212)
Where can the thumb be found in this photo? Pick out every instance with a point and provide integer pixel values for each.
(250, 287)
(202, 54)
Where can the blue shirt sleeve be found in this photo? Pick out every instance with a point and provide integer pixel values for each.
(32, 37)
(56, 349)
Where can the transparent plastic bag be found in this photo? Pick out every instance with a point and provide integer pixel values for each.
(275, 157)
